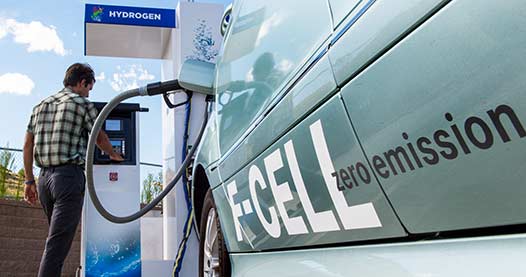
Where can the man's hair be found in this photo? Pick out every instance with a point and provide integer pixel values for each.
(78, 72)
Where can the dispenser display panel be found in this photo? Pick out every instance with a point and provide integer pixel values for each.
(113, 125)
(119, 146)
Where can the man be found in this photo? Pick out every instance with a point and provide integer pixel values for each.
(56, 138)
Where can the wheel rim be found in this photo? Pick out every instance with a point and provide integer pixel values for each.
(211, 246)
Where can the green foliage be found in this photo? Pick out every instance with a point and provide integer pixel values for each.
(151, 188)
(20, 183)
(7, 160)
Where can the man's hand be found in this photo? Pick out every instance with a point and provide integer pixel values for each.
(103, 142)
(31, 194)
(114, 156)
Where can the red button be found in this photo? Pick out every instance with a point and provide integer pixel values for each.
(114, 176)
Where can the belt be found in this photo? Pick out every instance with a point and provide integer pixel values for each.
(63, 166)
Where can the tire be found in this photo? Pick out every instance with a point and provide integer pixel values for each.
(213, 256)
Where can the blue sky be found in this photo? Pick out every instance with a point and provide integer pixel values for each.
(40, 39)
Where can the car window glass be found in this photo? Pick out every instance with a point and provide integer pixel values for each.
(265, 44)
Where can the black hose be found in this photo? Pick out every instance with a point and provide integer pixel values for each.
(90, 155)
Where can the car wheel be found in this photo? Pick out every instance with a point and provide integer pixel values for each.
(213, 256)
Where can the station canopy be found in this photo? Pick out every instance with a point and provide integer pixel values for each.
(118, 31)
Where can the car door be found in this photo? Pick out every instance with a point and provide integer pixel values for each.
(296, 177)
(441, 116)
(311, 187)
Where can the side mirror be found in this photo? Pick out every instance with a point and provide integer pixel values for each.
(197, 76)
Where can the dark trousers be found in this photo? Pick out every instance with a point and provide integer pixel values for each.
(61, 193)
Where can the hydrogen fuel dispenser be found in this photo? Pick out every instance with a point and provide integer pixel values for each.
(110, 249)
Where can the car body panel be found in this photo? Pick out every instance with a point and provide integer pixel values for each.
(369, 29)
(462, 71)
(442, 258)
(257, 61)
(289, 195)
(401, 72)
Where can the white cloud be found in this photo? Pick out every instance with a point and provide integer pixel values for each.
(3, 29)
(270, 23)
(284, 65)
(145, 76)
(37, 36)
(16, 83)
(129, 77)
(100, 77)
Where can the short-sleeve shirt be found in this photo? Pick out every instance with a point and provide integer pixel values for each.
(60, 125)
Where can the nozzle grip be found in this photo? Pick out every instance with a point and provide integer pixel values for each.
(162, 87)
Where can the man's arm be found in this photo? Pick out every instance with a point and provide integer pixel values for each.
(30, 192)
(103, 142)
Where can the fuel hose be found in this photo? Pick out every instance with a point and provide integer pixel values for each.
(150, 90)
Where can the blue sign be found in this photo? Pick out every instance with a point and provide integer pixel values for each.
(106, 14)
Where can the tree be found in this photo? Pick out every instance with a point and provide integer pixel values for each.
(7, 160)
(20, 183)
(151, 187)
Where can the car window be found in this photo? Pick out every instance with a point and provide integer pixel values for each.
(264, 46)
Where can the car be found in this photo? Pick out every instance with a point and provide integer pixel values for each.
(366, 138)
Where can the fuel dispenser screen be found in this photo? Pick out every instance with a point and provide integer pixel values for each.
(118, 146)
(113, 125)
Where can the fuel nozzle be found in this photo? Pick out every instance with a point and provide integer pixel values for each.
(162, 87)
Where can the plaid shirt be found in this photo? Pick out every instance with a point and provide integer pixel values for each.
(60, 125)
